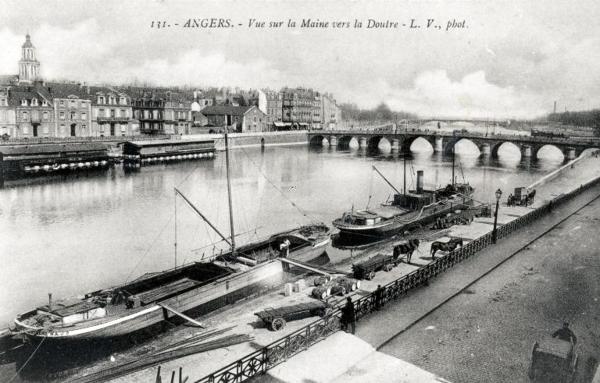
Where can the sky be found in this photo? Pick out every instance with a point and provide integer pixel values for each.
(512, 59)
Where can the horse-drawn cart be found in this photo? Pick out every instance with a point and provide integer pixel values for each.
(276, 318)
(553, 360)
(367, 269)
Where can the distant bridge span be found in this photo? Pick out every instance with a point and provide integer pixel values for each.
(488, 144)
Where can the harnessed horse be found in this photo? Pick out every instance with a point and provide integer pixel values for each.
(407, 248)
(451, 245)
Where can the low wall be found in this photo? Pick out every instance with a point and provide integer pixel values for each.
(279, 351)
(552, 175)
(244, 140)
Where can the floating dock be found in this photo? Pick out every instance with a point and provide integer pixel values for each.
(25, 160)
(137, 153)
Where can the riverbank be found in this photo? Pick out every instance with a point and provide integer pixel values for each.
(258, 139)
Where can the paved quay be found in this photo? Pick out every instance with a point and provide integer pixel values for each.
(486, 332)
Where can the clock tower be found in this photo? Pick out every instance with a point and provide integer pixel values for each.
(29, 67)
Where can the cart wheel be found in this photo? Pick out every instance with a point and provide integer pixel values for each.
(387, 267)
(342, 290)
(358, 284)
(277, 324)
(354, 286)
(371, 275)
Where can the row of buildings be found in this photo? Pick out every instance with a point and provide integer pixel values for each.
(31, 107)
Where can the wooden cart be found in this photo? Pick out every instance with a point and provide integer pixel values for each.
(367, 269)
(553, 360)
(276, 318)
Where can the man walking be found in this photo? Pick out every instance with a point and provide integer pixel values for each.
(349, 317)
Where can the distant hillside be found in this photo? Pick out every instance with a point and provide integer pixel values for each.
(589, 118)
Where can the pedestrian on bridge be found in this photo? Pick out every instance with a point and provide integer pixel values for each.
(379, 297)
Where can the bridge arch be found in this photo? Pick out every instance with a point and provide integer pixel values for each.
(452, 141)
(408, 142)
(508, 147)
(549, 151)
(317, 140)
(373, 142)
(344, 141)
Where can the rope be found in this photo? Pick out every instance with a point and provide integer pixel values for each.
(27, 361)
(370, 190)
(301, 211)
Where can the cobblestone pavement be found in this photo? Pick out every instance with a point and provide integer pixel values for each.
(487, 332)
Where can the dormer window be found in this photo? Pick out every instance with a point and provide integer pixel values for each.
(111, 100)
(122, 101)
(101, 100)
(34, 101)
(44, 103)
(23, 102)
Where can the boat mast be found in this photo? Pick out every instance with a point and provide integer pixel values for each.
(453, 148)
(229, 194)
(385, 179)
(404, 187)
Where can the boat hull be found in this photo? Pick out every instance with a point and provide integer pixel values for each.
(204, 299)
(393, 226)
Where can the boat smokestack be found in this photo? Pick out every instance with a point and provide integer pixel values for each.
(419, 181)
(49, 301)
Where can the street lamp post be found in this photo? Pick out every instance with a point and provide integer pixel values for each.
(494, 232)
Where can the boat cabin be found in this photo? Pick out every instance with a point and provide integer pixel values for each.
(67, 313)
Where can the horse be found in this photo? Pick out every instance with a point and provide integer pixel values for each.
(407, 248)
(530, 198)
(451, 245)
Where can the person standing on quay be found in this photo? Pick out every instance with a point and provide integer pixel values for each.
(349, 316)
(378, 297)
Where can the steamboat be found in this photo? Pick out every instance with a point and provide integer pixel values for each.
(181, 292)
(407, 211)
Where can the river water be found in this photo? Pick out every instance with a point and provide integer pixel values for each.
(86, 232)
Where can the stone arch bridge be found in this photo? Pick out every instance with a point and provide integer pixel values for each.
(489, 144)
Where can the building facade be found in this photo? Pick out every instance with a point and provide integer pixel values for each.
(301, 108)
(34, 112)
(239, 119)
(7, 114)
(332, 113)
(112, 113)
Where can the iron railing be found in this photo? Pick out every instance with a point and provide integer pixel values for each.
(277, 352)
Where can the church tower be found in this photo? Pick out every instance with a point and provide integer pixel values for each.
(29, 67)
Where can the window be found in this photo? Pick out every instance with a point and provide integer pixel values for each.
(111, 100)
(123, 113)
(83, 115)
(122, 101)
(100, 100)
(83, 128)
(123, 127)
(23, 102)
(112, 113)
(62, 102)
(44, 103)
(45, 129)
(34, 101)
(73, 116)
(72, 103)
(25, 116)
(3, 101)
(102, 128)
(62, 115)
(101, 113)
(25, 129)
(62, 129)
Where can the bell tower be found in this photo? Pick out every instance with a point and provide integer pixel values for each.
(29, 67)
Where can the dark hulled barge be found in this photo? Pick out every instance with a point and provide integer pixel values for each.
(407, 211)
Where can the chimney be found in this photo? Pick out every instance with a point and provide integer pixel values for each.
(419, 181)
(49, 301)
(554, 107)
